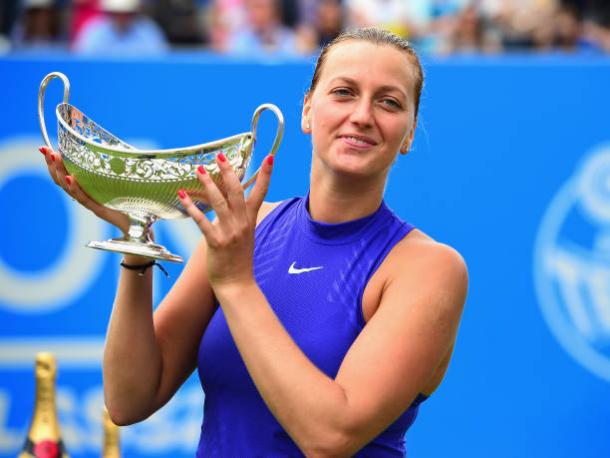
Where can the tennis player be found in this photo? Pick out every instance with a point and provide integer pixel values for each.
(318, 324)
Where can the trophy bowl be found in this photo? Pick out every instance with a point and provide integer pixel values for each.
(143, 184)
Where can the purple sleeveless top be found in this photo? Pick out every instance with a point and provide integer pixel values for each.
(313, 275)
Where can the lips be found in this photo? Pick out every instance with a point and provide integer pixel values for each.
(358, 141)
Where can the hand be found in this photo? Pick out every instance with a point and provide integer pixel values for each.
(68, 183)
(230, 238)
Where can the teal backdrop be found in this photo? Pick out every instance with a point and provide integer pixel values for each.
(511, 166)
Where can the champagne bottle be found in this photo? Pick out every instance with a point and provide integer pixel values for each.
(112, 446)
(44, 437)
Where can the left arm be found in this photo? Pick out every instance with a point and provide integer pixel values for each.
(389, 363)
(386, 367)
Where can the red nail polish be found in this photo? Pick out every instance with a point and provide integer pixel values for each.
(69, 180)
(221, 157)
(52, 156)
(42, 150)
(181, 193)
(270, 160)
(201, 170)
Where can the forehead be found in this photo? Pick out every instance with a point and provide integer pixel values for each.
(369, 63)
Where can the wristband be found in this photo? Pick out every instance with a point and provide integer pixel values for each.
(142, 268)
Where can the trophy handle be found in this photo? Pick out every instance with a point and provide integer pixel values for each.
(43, 88)
(278, 134)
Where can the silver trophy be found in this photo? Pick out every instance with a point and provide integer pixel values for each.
(143, 183)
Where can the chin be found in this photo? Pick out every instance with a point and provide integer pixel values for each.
(359, 170)
(356, 162)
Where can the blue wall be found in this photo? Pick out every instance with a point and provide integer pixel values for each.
(511, 166)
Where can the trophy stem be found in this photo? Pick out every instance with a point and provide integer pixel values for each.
(139, 228)
(138, 241)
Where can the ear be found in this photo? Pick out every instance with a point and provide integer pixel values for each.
(305, 115)
(406, 143)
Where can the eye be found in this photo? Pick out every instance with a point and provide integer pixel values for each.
(341, 92)
(391, 103)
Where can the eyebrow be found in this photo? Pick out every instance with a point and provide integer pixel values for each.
(385, 87)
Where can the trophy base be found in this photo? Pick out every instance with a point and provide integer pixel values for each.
(150, 250)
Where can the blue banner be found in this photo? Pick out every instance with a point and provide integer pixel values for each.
(511, 166)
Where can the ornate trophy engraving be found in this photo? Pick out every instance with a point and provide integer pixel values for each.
(142, 183)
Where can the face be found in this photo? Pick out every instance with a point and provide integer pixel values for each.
(122, 21)
(362, 111)
(261, 13)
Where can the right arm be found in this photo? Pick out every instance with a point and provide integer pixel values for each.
(147, 356)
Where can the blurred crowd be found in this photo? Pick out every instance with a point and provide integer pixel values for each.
(301, 27)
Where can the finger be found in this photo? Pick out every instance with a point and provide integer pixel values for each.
(60, 170)
(200, 219)
(59, 163)
(68, 182)
(199, 197)
(233, 187)
(260, 188)
(216, 199)
(46, 152)
(49, 157)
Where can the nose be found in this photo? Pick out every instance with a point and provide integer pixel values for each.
(363, 113)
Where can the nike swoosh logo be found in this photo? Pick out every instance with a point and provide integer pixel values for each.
(293, 270)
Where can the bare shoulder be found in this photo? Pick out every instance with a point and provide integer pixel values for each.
(420, 250)
(266, 208)
(418, 263)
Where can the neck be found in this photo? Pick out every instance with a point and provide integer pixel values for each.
(334, 199)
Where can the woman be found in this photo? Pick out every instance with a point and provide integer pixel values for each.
(336, 319)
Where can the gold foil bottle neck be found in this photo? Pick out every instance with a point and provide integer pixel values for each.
(45, 366)
(112, 445)
(44, 437)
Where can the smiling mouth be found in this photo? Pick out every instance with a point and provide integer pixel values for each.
(358, 141)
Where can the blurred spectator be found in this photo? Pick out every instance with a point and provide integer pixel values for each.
(392, 15)
(308, 11)
(598, 34)
(521, 24)
(121, 30)
(569, 31)
(443, 26)
(224, 19)
(328, 21)
(263, 31)
(325, 24)
(466, 35)
(180, 21)
(291, 27)
(83, 11)
(290, 14)
(427, 23)
(597, 11)
(38, 27)
(594, 17)
(8, 14)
